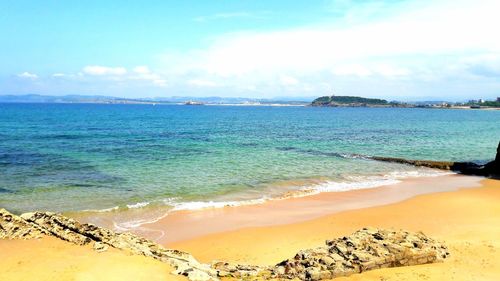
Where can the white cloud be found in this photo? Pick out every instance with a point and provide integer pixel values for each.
(144, 73)
(351, 69)
(104, 70)
(28, 75)
(415, 46)
(288, 80)
(94, 74)
(387, 46)
(160, 82)
(202, 83)
(142, 69)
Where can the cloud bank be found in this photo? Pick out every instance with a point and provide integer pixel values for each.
(412, 49)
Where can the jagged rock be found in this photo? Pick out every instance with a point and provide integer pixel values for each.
(364, 250)
(58, 226)
(225, 269)
(367, 249)
(14, 227)
(100, 247)
(29, 225)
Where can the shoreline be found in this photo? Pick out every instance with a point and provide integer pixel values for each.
(468, 222)
(461, 211)
(167, 227)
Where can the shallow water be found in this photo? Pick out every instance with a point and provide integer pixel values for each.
(69, 157)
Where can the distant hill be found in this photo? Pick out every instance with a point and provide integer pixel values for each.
(33, 98)
(348, 101)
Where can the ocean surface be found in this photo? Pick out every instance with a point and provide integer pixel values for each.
(73, 157)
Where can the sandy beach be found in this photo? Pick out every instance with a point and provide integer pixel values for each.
(52, 259)
(467, 220)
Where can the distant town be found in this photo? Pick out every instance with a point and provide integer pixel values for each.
(353, 101)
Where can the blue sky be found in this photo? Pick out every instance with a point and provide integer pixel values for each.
(393, 49)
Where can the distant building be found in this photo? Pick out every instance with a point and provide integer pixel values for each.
(498, 99)
(481, 101)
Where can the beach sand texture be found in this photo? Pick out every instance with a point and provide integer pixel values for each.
(53, 259)
(467, 220)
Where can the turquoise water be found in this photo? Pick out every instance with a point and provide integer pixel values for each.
(67, 157)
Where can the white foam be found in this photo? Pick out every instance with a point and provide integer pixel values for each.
(102, 210)
(350, 183)
(138, 205)
(197, 205)
(331, 186)
(423, 172)
(127, 225)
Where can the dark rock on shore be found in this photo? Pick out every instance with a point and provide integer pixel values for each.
(491, 169)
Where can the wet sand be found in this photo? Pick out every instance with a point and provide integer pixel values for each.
(467, 220)
(464, 213)
(188, 224)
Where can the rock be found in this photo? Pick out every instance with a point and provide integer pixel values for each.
(367, 249)
(14, 227)
(37, 224)
(364, 250)
(100, 247)
(58, 226)
(491, 169)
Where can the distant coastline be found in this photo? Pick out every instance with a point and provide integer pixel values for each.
(324, 101)
(174, 100)
(354, 101)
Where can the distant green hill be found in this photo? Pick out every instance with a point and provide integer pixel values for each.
(347, 101)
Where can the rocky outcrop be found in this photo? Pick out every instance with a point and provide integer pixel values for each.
(491, 169)
(443, 165)
(364, 250)
(14, 227)
(38, 224)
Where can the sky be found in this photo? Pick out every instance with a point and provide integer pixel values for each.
(403, 50)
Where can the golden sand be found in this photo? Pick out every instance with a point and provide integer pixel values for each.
(53, 259)
(467, 220)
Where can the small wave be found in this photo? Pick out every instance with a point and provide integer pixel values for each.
(137, 205)
(134, 224)
(350, 183)
(331, 186)
(102, 210)
(198, 205)
(423, 172)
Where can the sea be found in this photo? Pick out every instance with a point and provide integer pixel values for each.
(107, 157)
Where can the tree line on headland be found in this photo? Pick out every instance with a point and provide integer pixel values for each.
(353, 101)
